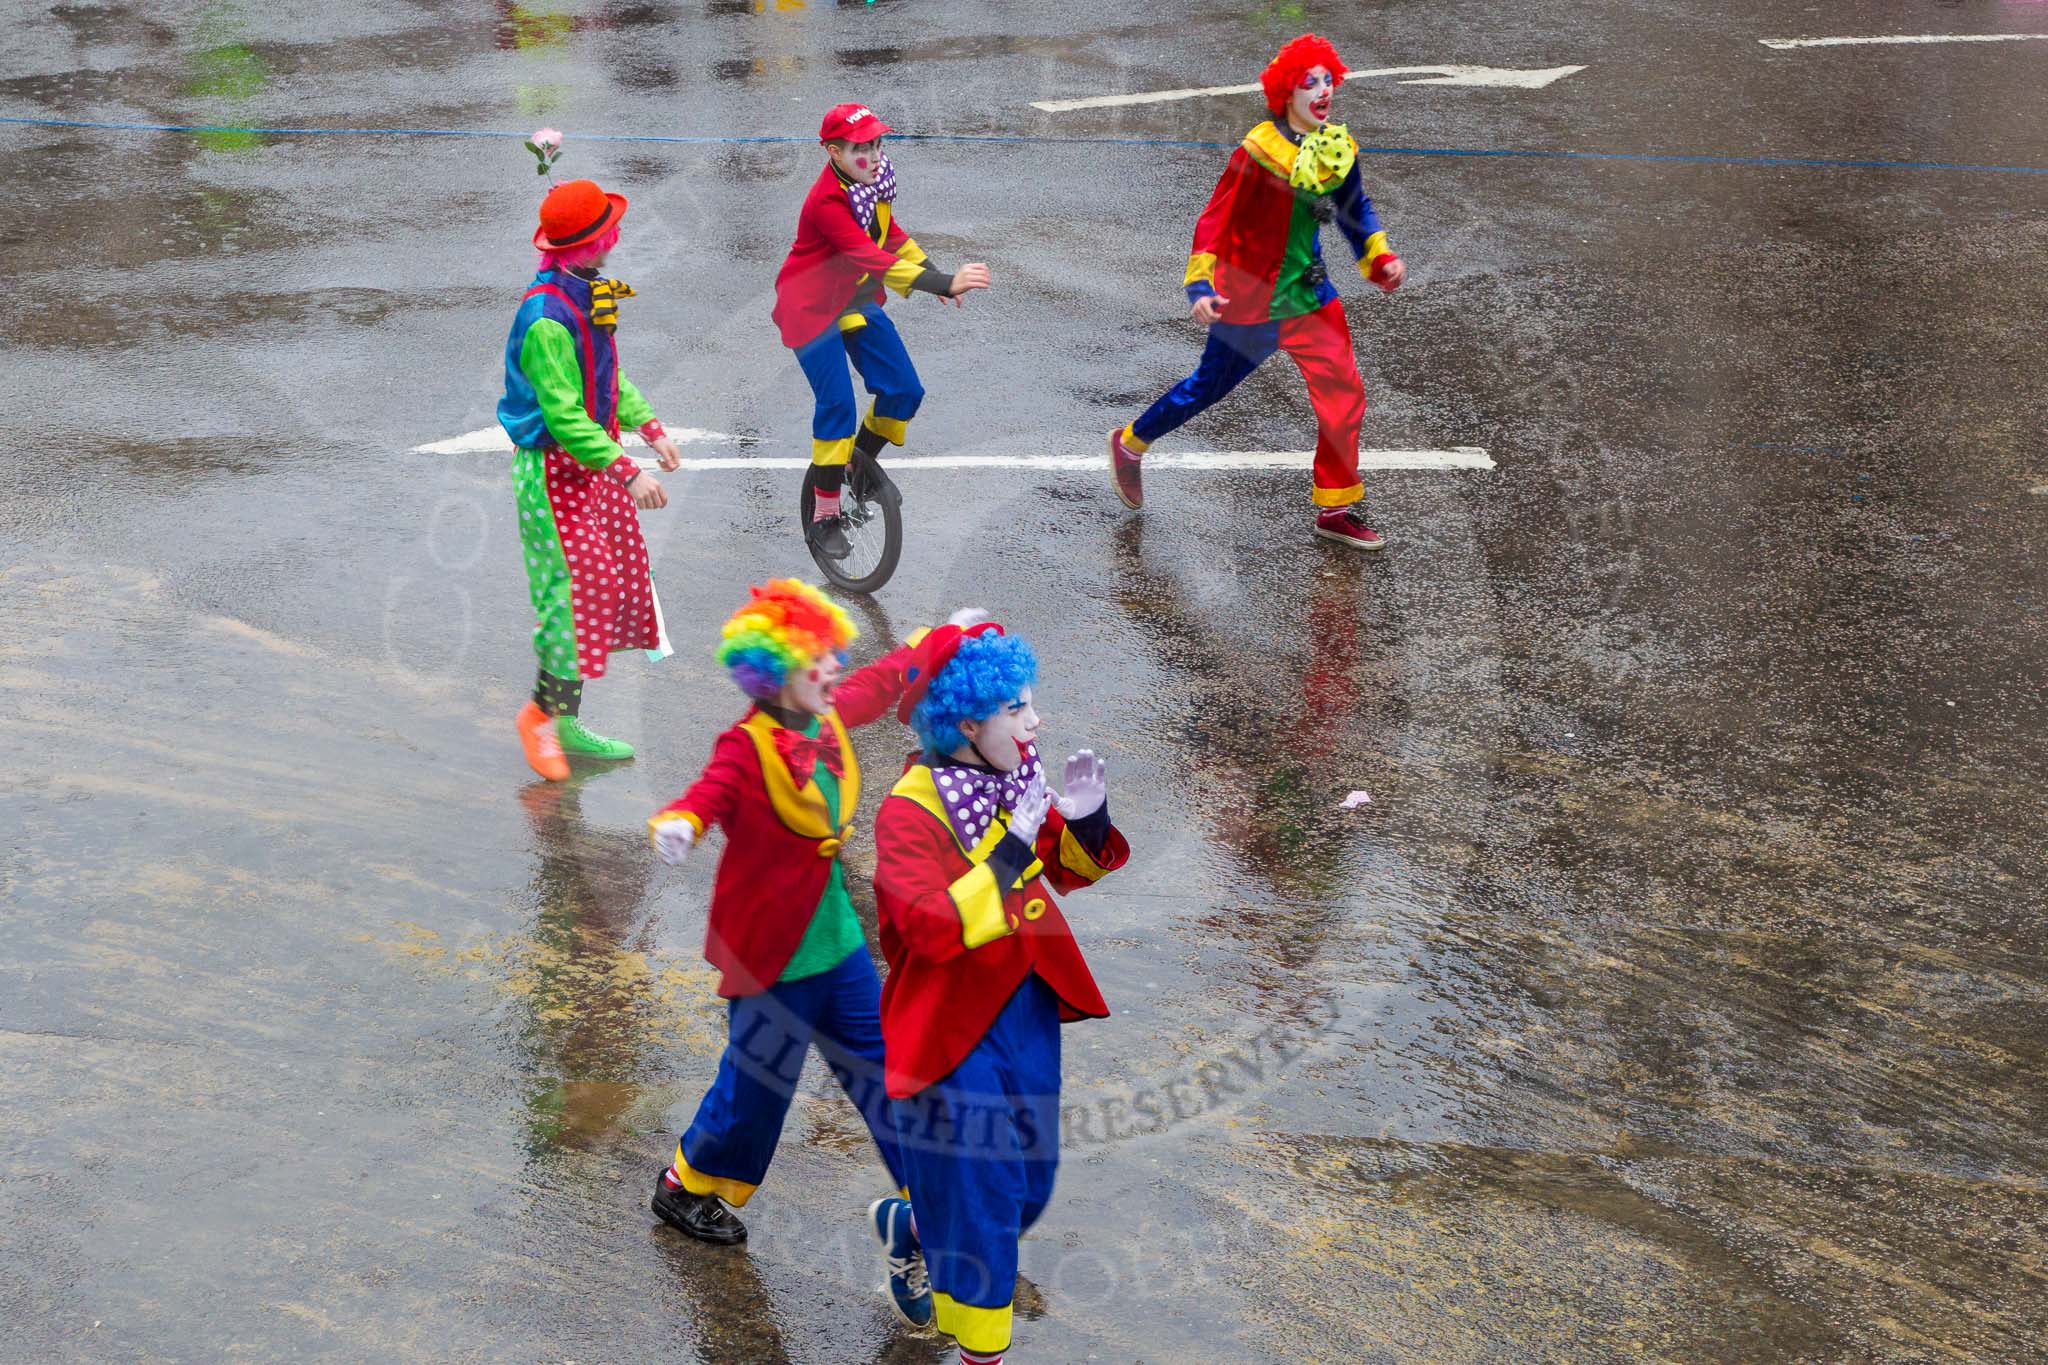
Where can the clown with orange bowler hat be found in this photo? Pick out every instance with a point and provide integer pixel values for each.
(983, 970)
(828, 306)
(577, 490)
(1256, 278)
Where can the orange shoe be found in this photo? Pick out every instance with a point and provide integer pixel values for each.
(543, 750)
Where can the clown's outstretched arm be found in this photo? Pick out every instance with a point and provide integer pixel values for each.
(901, 273)
(1362, 230)
(713, 795)
(547, 357)
(939, 911)
(867, 694)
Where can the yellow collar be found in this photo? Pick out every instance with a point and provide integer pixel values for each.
(1274, 150)
(803, 809)
(917, 785)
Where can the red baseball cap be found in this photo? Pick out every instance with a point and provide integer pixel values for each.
(851, 123)
(929, 658)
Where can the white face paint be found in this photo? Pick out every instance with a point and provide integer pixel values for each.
(811, 690)
(1308, 108)
(1003, 736)
(860, 162)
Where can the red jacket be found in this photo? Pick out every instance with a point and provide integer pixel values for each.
(779, 844)
(958, 946)
(830, 265)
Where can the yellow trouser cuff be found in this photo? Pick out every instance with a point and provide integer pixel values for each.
(1339, 497)
(980, 906)
(985, 1331)
(733, 1192)
(1133, 444)
(832, 452)
(890, 429)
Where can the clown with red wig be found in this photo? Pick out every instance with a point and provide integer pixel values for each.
(1257, 279)
(576, 488)
(983, 970)
(792, 959)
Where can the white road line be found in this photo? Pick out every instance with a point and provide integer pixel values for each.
(1457, 457)
(494, 441)
(1497, 77)
(1784, 44)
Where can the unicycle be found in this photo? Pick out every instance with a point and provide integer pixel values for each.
(872, 511)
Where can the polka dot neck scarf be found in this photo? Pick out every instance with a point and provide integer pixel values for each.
(973, 794)
(865, 197)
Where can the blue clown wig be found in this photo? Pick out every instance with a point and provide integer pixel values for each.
(985, 674)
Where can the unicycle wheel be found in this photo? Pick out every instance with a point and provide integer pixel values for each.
(872, 520)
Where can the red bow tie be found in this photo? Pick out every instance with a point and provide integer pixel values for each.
(802, 753)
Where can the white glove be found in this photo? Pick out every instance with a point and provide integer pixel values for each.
(1029, 816)
(1087, 786)
(673, 840)
(968, 616)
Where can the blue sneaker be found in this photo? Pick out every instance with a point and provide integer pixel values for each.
(909, 1291)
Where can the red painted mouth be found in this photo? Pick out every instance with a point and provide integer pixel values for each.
(1320, 108)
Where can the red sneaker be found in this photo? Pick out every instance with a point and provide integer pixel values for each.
(1123, 467)
(1346, 526)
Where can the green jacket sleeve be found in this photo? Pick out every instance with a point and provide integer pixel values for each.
(548, 359)
(634, 411)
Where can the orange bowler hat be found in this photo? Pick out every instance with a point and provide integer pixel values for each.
(575, 212)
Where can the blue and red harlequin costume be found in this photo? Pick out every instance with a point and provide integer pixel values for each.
(1258, 245)
(983, 970)
(786, 801)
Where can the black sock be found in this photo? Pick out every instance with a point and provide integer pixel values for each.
(557, 696)
(870, 441)
(827, 478)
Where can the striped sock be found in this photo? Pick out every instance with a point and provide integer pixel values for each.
(671, 1179)
(968, 1357)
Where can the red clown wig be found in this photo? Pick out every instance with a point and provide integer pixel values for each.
(1293, 61)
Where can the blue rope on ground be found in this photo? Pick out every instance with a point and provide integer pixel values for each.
(1825, 162)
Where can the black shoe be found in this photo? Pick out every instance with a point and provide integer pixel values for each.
(703, 1216)
(828, 537)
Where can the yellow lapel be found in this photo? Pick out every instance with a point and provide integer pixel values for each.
(1270, 147)
(917, 785)
(802, 809)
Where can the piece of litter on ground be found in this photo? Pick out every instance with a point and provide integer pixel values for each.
(1355, 800)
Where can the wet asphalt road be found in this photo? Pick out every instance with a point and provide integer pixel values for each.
(1677, 997)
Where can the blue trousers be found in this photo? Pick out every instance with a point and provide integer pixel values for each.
(729, 1144)
(876, 351)
(982, 1146)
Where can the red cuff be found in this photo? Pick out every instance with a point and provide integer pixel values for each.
(624, 467)
(651, 430)
(1379, 271)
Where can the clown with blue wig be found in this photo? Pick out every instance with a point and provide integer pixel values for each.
(793, 961)
(969, 847)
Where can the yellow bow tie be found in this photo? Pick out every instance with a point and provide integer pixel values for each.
(604, 301)
(1323, 159)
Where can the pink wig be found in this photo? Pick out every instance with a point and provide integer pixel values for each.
(580, 255)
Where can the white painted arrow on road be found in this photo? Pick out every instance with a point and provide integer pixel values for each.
(1502, 78)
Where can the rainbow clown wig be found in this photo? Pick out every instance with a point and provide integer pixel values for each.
(783, 629)
(1293, 62)
(986, 673)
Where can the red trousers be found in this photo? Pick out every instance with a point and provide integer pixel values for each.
(1320, 344)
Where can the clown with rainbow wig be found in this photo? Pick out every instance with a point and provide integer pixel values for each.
(576, 488)
(792, 959)
(969, 847)
(1257, 280)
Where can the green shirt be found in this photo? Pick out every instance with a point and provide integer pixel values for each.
(548, 358)
(834, 932)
